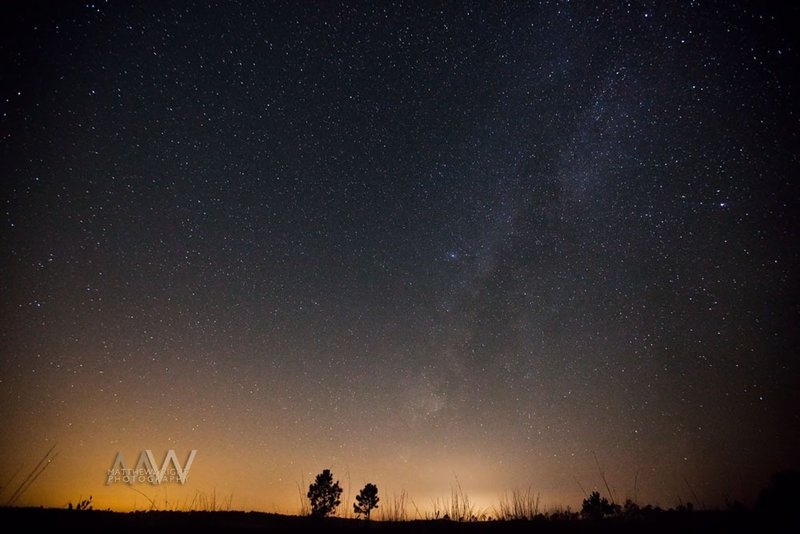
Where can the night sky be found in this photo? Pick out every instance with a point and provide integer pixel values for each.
(422, 245)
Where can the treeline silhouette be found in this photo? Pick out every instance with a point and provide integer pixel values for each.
(774, 511)
(775, 506)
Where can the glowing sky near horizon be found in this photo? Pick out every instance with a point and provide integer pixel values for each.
(419, 245)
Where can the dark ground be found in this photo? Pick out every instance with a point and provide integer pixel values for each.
(49, 519)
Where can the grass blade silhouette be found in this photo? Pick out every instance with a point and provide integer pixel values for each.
(11, 478)
(32, 476)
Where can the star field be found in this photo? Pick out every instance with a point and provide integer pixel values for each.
(401, 240)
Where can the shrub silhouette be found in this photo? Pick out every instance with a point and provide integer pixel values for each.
(324, 494)
(596, 507)
(366, 500)
(631, 510)
(778, 502)
(85, 504)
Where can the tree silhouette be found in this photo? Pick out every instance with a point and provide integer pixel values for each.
(596, 507)
(777, 504)
(366, 500)
(324, 494)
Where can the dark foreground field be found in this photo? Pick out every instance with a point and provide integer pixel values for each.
(50, 520)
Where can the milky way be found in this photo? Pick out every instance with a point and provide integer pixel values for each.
(419, 245)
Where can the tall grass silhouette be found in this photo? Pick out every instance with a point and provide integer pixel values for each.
(457, 508)
(393, 507)
(200, 502)
(519, 505)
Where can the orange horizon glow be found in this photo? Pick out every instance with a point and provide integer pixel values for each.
(259, 462)
(223, 479)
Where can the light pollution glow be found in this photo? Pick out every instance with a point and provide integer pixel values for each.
(421, 245)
